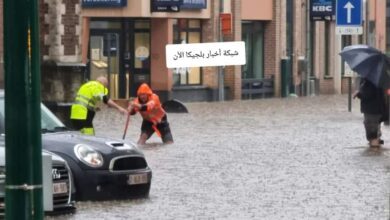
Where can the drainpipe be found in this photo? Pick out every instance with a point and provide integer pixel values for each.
(308, 48)
(290, 43)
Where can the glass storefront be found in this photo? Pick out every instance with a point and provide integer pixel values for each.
(120, 50)
(138, 44)
(104, 53)
(187, 31)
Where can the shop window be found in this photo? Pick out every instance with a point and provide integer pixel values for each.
(142, 48)
(252, 35)
(109, 45)
(313, 49)
(142, 24)
(187, 31)
(105, 25)
(327, 38)
(194, 23)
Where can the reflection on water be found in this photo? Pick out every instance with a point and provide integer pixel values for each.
(150, 146)
(375, 151)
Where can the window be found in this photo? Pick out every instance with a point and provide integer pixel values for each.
(326, 50)
(142, 44)
(187, 31)
(252, 35)
(312, 46)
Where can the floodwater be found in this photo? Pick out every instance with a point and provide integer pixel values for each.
(293, 158)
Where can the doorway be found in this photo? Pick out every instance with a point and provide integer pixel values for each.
(104, 59)
(120, 50)
(137, 59)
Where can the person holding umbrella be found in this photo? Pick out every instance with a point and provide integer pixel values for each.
(373, 66)
(372, 105)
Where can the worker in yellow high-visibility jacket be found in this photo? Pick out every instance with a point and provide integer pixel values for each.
(85, 105)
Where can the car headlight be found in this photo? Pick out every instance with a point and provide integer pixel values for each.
(2, 175)
(88, 155)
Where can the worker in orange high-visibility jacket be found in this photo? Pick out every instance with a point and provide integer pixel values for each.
(154, 117)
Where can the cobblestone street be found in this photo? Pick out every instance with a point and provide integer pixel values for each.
(294, 158)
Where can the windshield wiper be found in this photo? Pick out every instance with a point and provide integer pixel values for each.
(45, 130)
(61, 128)
(55, 129)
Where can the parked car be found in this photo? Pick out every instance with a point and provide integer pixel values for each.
(60, 189)
(103, 168)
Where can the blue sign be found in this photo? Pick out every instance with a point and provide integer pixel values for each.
(349, 13)
(322, 10)
(103, 3)
(165, 5)
(194, 4)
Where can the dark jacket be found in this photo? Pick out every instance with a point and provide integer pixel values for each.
(372, 99)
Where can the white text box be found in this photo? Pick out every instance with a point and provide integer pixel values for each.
(205, 54)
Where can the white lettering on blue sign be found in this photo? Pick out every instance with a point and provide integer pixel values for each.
(322, 8)
(193, 1)
(103, 1)
(194, 4)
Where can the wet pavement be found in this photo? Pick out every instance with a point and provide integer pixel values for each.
(295, 158)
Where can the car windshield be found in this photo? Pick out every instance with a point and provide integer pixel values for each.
(49, 122)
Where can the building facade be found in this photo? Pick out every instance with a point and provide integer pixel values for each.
(142, 31)
(125, 40)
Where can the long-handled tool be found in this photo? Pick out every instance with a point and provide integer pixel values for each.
(126, 126)
(156, 130)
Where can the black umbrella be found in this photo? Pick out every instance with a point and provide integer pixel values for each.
(369, 63)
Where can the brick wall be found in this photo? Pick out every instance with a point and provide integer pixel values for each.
(209, 34)
(70, 20)
(274, 65)
(326, 86)
(269, 49)
(233, 73)
(61, 30)
(61, 70)
(344, 85)
(44, 27)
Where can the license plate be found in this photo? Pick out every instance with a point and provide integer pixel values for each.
(60, 188)
(135, 179)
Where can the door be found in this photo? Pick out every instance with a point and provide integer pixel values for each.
(105, 59)
(138, 62)
(120, 50)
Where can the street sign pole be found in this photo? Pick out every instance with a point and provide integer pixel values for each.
(348, 72)
(349, 22)
(22, 110)
(349, 94)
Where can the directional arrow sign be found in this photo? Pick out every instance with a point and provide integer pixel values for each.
(349, 17)
(349, 8)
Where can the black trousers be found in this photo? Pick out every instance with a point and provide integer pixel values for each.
(79, 124)
(163, 127)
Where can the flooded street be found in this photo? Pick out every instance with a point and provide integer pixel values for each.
(295, 158)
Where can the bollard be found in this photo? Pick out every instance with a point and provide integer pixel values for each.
(312, 87)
